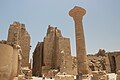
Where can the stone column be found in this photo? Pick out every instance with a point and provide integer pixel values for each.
(82, 65)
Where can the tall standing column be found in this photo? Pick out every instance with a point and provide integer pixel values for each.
(82, 65)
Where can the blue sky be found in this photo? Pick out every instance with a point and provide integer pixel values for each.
(101, 22)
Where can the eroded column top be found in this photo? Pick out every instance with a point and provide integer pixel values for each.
(77, 11)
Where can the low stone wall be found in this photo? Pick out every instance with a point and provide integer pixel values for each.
(64, 77)
(99, 75)
(8, 62)
(6, 53)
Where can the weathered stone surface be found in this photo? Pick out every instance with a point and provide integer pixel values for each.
(112, 76)
(15, 62)
(51, 47)
(17, 34)
(6, 52)
(114, 58)
(82, 65)
(8, 61)
(105, 61)
(99, 75)
(38, 60)
(52, 58)
(53, 55)
(27, 73)
(64, 77)
(64, 56)
(99, 61)
(67, 61)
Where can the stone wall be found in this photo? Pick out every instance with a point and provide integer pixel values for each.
(114, 58)
(48, 51)
(99, 61)
(111, 61)
(25, 46)
(56, 49)
(51, 47)
(54, 43)
(64, 58)
(17, 34)
(38, 60)
(15, 62)
(8, 61)
(6, 53)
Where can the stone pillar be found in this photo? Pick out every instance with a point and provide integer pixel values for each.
(82, 65)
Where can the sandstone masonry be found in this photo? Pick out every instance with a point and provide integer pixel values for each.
(17, 34)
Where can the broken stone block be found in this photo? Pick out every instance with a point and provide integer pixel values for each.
(64, 77)
(118, 75)
(99, 75)
(27, 72)
(21, 77)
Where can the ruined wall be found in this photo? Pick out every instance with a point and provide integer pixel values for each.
(54, 43)
(95, 63)
(14, 33)
(114, 58)
(64, 58)
(63, 48)
(48, 51)
(111, 60)
(8, 61)
(108, 68)
(6, 53)
(25, 46)
(56, 49)
(118, 62)
(17, 34)
(99, 61)
(51, 47)
(38, 60)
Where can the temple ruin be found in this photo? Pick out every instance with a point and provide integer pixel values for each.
(52, 59)
(14, 52)
(9, 67)
(17, 34)
(54, 53)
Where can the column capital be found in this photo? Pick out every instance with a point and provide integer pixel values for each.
(77, 12)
